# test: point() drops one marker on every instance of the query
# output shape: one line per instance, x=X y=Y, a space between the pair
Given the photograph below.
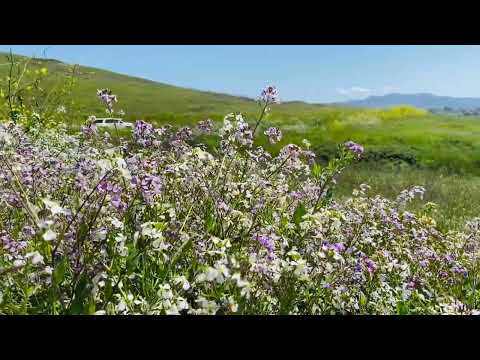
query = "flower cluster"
x=236 y=132
x=158 y=225
x=205 y=126
x=106 y=96
x=89 y=130
x=274 y=135
x=184 y=134
x=143 y=133
x=354 y=148
x=269 y=95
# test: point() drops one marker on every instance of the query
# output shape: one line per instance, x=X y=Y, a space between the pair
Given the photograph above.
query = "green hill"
x=404 y=146
x=150 y=100
x=402 y=134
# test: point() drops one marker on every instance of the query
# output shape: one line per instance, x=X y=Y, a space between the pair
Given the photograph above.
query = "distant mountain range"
x=425 y=101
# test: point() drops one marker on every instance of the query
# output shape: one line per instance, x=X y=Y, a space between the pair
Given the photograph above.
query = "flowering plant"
x=157 y=225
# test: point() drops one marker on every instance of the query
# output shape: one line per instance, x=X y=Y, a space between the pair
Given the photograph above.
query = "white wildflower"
x=49 y=235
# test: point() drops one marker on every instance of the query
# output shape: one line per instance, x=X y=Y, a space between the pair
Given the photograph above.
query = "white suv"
x=110 y=122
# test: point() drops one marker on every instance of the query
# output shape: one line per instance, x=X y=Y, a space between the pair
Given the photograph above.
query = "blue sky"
x=309 y=73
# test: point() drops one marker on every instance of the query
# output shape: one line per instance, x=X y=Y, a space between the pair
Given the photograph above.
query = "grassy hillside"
x=150 y=100
x=404 y=146
x=415 y=138
x=402 y=135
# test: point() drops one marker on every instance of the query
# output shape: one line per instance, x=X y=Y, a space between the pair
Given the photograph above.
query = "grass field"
x=156 y=225
x=404 y=146
x=457 y=196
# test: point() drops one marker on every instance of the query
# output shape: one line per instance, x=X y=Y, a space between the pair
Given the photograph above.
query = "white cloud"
x=354 y=92
x=389 y=89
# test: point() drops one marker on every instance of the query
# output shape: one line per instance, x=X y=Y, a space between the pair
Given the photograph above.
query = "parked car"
x=110 y=122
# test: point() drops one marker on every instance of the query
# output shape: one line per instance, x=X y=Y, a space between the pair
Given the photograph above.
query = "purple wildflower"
x=339 y=247
x=80 y=182
x=143 y=133
x=106 y=96
x=117 y=202
x=184 y=134
x=297 y=195
x=268 y=243
x=223 y=207
x=291 y=151
x=309 y=156
x=270 y=95
x=460 y=270
x=28 y=231
x=89 y=130
x=205 y=126
x=243 y=134
x=423 y=263
x=105 y=186
x=274 y=134
x=13 y=200
x=116 y=189
x=150 y=186
x=371 y=266
x=134 y=181
x=10 y=245
x=411 y=285
x=354 y=148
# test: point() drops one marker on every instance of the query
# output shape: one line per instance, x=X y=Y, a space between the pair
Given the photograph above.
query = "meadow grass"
x=457 y=197
x=154 y=224
x=403 y=146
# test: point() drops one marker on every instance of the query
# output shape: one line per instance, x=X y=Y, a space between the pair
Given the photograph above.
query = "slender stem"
x=220 y=170
x=260 y=118
x=276 y=170
x=54 y=251
x=21 y=76
x=23 y=196
x=90 y=225
x=183 y=246
x=10 y=105
x=262 y=113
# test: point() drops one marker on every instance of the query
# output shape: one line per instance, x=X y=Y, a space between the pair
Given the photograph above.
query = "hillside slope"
x=150 y=100
x=422 y=139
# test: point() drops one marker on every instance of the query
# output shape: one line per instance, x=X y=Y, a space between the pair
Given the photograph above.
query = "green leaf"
x=160 y=226
x=59 y=273
x=81 y=293
x=363 y=300
x=402 y=308
x=83 y=230
x=210 y=222
x=132 y=261
x=108 y=290
x=298 y=214
x=316 y=170
x=90 y=306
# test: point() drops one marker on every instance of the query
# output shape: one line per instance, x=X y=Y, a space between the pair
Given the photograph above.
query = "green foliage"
x=457 y=196
x=400 y=138
x=30 y=97
x=154 y=224
x=404 y=112
x=298 y=214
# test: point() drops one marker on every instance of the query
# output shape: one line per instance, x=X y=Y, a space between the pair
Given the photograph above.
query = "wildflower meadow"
x=154 y=222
